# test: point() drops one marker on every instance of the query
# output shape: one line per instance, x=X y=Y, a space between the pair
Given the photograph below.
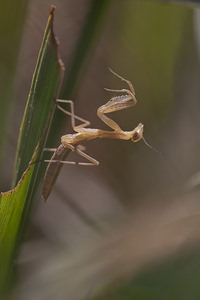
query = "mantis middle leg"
x=73 y=116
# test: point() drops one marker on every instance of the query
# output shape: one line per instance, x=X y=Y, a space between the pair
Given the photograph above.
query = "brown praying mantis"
x=72 y=141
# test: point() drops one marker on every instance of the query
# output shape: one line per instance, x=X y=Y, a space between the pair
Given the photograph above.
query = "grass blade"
x=44 y=89
x=12 y=210
x=15 y=204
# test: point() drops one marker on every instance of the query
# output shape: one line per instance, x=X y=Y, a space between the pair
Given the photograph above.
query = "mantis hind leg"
x=77 y=149
x=73 y=116
x=70 y=162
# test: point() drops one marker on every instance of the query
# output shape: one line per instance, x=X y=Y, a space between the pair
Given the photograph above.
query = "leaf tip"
x=54 y=39
x=52 y=11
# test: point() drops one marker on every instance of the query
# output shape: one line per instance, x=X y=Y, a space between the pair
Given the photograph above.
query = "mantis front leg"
x=117 y=103
x=123 y=79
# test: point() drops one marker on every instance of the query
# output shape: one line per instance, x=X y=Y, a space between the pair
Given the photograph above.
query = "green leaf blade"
x=12 y=206
x=45 y=85
x=15 y=205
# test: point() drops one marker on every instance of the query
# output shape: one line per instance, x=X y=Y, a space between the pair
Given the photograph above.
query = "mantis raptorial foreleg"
x=131 y=95
x=117 y=103
x=73 y=116
x=123 y=79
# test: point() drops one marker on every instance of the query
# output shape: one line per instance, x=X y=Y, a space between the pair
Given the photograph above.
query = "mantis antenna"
x=151 y=146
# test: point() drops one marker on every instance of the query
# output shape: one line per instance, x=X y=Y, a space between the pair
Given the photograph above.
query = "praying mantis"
x=72 y=141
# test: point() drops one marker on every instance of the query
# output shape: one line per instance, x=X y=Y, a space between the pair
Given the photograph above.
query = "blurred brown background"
x=135 y=191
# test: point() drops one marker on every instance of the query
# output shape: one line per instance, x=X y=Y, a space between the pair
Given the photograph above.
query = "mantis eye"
x=136 y=137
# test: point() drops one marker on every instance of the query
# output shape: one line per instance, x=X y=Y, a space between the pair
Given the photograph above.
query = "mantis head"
x=138 y=135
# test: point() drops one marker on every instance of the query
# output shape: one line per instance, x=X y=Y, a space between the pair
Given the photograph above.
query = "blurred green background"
x=128 y=229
